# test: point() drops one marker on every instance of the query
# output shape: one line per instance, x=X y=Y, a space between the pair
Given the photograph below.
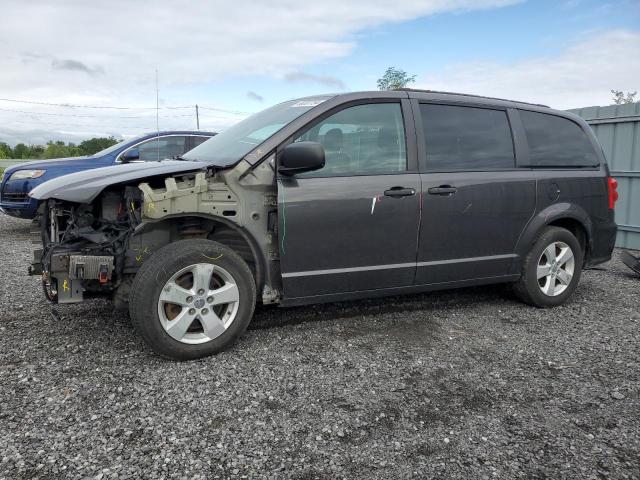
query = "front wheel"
x=192 y=298
x=551 y=271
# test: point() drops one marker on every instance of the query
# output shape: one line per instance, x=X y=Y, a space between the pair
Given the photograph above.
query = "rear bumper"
x=603 y=241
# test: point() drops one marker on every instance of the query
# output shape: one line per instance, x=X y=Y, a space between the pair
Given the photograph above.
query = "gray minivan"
x=331 y=198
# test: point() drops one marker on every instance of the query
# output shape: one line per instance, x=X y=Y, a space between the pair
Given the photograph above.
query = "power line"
x=97 y=125
x=235 y=112
x=102 y=130
x=93 y=116
x=62 y=125
x=70 y=105
x=166 y=107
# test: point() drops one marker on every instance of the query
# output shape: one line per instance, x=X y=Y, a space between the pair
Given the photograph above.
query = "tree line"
x=56 y=149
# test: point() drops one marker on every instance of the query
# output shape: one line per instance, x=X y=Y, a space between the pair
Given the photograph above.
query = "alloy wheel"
x=555 y=270
x=198 y=303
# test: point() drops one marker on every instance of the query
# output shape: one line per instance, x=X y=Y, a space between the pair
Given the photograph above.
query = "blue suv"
x=20 y=179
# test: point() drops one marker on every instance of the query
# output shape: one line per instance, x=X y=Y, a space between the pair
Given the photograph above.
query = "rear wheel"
x=551 y=271
x=192 y=298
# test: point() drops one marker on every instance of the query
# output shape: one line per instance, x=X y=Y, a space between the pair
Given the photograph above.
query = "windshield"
x=234 y=143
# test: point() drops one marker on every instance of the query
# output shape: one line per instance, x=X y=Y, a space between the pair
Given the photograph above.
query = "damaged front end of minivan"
x=99 y=227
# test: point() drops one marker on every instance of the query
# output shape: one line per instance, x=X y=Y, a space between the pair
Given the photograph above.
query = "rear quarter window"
x=556 y=142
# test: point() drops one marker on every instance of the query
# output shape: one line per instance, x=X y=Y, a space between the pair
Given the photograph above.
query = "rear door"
x=353 y=225
x=475 y=202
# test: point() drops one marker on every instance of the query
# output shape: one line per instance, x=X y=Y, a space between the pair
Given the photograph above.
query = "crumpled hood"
x=85 y=186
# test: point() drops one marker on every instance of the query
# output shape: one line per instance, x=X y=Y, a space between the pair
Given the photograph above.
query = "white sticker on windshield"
x=307 y=103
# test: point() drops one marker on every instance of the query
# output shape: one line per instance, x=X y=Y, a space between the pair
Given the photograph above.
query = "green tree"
x=94 y=145
x=20 y=151
x=5 y=150
x=56 y=149
x=394 y=78
x=36 y=151
x=23 y=151
x=60 y=150
x=620 y=97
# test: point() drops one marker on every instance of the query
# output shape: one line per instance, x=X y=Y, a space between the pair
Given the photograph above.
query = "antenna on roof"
x=157 y=116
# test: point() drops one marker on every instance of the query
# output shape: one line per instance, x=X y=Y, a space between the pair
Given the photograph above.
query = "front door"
x=476 y=203
x=352 y=225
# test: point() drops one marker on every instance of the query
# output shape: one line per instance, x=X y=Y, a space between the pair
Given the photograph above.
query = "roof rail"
x=470 y=95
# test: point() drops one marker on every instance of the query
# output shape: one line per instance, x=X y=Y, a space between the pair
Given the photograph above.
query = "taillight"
x=612 y=187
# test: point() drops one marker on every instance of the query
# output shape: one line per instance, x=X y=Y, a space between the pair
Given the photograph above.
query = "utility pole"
x=197 y=117
x=157 y=116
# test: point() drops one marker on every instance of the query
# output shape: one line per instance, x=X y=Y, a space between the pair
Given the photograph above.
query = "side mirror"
x=300 y=157
x=130 y=155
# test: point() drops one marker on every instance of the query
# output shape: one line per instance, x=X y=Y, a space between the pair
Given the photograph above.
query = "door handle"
x=442 y=190
x=397 y=192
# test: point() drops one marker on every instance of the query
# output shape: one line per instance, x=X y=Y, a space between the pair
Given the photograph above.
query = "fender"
x=553 y=213
x=258 y=255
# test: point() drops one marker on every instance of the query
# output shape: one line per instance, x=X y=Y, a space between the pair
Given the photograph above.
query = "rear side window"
x=556 y=141
x=466 y=138
x=198 y=140
x=161 y=148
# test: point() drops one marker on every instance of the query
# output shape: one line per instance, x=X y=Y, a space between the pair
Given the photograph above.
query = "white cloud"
x=190 y=42
x=326 y=80
x=106 y=53
x=581 y=75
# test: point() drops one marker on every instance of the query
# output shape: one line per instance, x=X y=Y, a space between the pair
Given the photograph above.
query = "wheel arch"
x=565 y=215
x=222 y=230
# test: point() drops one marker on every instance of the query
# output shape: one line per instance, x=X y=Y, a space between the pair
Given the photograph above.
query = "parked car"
x=20 y=179
x=333 y=198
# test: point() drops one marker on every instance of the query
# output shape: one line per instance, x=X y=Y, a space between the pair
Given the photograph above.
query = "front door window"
x=361 y=140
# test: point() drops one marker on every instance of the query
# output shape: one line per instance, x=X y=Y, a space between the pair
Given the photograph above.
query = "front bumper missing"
x=65 y=278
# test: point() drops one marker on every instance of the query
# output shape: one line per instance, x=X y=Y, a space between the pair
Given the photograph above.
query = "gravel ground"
x=465 y=384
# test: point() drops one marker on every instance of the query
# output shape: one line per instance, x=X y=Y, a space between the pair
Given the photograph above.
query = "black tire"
x=157 y=270
x=528 y=288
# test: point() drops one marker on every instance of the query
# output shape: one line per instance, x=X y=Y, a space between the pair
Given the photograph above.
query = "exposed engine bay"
x=95 y=249
x=84 y=247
